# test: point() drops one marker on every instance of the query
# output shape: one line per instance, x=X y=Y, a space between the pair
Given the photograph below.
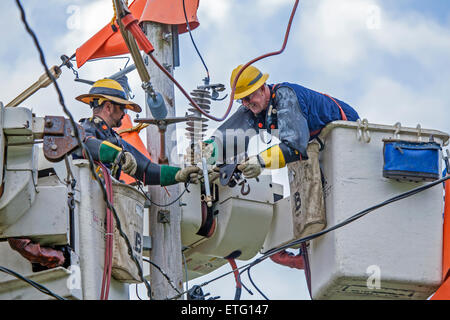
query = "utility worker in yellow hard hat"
x=108 y=101
x=296 y=115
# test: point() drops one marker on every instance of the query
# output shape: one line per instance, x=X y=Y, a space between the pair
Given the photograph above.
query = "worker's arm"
x=109 y=150
x=151 y=173
x=146 y=171
x=293 y=132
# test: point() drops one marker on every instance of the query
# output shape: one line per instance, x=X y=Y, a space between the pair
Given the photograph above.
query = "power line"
x=356 y=216
x=157 y=204
x=254 y=285
x=193 y=42
x=32 y=283
x=163 y=273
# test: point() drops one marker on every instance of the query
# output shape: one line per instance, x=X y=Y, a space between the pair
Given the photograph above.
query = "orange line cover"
x=107 y=42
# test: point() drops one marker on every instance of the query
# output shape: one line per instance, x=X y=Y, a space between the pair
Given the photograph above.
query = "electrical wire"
x=356 y=216
x=237 y=278
x=107 y=268
x=347 y=221
x=233 y=87
x=360 y=215
x=254 y=285
x=137 y=291
x=163 y=273
x=245 y=287
x=34 y=284
x=83 y=146
x=193 y=42
x=161 y=205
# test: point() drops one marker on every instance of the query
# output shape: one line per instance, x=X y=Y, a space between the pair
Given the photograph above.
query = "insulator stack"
x=196 y=129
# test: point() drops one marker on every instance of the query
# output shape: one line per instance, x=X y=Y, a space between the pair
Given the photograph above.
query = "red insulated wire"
x=236 y=272
x=107 y=268
x=110 y=233
x=233 y=89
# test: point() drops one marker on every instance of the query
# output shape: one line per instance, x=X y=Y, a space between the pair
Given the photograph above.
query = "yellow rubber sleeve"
x=273 y=158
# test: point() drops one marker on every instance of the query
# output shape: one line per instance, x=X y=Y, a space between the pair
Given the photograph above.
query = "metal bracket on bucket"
x=363 y=130
x=59 y=138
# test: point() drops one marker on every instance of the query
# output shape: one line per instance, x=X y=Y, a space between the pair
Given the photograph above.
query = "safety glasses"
x=121 y=106
x=247 y=99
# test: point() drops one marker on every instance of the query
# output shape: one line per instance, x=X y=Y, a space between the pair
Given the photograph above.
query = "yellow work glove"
x=252 y=167
x=192 y=173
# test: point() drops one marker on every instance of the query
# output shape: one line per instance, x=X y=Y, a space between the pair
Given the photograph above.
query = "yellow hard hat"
x=108 y=90
x=250 y=80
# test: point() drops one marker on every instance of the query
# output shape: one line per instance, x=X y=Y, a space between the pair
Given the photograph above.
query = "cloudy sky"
x=388 y=59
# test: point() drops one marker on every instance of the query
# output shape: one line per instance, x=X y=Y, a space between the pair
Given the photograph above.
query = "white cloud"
x=332 y=34
x=387 y=102
x=414 y=36
x=214 y=12
x=267 y=8
x=84 y=22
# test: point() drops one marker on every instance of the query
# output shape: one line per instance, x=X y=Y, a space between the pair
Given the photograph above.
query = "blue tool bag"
x=411 y=161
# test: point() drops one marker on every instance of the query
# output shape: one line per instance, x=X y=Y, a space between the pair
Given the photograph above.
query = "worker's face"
x=116 y=114
x=256 y=101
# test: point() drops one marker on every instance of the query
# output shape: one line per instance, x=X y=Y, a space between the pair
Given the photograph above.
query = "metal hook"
x=243 y=191
x=363 y=130
x=366 y=133
x=419 y=133
x=397 y=126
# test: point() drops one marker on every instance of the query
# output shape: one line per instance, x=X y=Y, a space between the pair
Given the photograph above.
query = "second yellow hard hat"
x=249 y=81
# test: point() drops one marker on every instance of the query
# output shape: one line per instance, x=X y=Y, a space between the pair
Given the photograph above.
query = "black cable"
x=254 y=285
x=163 y=273
x=245 y=287
x=137 y=292
x=161 y=205
x=243 y=284
x=193 y=42
x=237 y=293
x=339 y=225
x=34 y=284
x=350 y=219
x=83 y=147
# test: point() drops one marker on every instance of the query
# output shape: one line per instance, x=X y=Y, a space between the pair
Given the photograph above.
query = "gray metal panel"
x=47 y=221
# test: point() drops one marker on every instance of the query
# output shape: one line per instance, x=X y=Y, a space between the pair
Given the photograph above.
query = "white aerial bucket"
x=394 y=252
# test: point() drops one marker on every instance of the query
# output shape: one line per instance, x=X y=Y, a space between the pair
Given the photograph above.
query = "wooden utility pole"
x=164 y=222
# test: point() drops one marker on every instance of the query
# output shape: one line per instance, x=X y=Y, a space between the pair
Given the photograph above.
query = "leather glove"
x=34 y=253
x=252 y=167
x=129 y=164
x=213 y=174
x=288 y=259
x=192 y=174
